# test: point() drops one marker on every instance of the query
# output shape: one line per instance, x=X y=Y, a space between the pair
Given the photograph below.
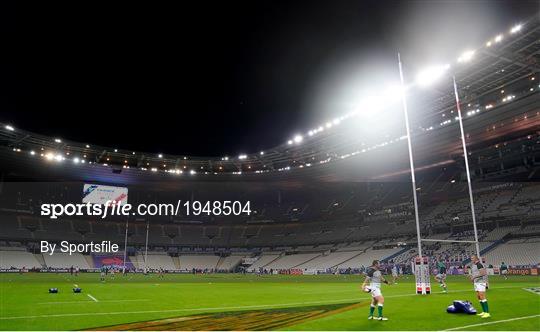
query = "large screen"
x=99 y=194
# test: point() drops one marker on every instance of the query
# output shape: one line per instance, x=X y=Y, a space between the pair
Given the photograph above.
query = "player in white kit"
x=479 y=278
x=374 y=278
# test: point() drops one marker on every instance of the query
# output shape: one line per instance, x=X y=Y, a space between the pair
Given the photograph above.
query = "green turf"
x=26 y=305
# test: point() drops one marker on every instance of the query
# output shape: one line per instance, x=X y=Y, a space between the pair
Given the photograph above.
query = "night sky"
x=219 y=78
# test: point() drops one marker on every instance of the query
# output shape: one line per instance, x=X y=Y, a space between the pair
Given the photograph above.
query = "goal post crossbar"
x=456 y=241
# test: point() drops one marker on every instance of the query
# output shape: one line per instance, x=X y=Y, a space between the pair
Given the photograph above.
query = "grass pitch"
x=231 y=301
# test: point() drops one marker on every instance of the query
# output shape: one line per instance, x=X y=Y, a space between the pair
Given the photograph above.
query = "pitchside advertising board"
x=99 y=194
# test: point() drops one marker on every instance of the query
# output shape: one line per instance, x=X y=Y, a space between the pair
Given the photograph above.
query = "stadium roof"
x=509 y=58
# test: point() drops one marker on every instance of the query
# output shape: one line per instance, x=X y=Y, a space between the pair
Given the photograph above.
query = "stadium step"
x=89 y=260
x=40 y=259
x=404 y=250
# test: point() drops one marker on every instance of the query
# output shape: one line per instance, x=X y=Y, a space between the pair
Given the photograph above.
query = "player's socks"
x=485 y=306
x=379 y=309
x=371 y=310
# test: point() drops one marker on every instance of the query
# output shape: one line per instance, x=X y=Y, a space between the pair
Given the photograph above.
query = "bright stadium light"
x=242 y=156
x=57 y=140
x=10 y=128
x=431 y=74
x=394 y=92
x=488 y=44
x=515 y=28
x=298 y=139
x=289 y=142
x=499 y=38
x=87 y=146
x=76 y=160
x=466 y=56
x=32 y=152
x=160 y=155
x=192 y=172
x=261 y=153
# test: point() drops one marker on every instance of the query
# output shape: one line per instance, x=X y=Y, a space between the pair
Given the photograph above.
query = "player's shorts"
x=394 y=274
x=440 y=277
x=375 y=291
x=504 y=271
x=102 y=274
x=480 y=286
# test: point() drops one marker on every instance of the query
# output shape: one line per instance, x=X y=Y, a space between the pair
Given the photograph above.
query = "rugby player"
x=479 y=278
x=374 y=278
x=394 y=274
x=441 y=276
x=504 y=271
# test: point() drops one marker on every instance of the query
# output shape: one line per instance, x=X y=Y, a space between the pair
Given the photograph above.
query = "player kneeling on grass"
x=479 y=278
x=374 y=278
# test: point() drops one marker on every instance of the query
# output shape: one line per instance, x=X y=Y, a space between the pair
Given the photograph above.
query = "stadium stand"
x=18 y=258
x=64 y=260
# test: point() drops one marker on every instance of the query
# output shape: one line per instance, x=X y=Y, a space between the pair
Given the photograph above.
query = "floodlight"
x=431 y=74
x=87 y=146
x=466 y=56
x=242 y=156
x=261 y=153
x=160 y=155
x=289 y=142
x=192 y=172
x=298 y=138
x=76 y=160
x=499 y=38
x=32 y=152
x=515 y=28
x=10 y=128
x=57 y=140
x=488 y=44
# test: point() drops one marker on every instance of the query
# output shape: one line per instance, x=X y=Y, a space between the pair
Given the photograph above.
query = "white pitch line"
x=531 y=291
x=101 y=301
x=93 y=298
x=491 y=323
x=262 y=306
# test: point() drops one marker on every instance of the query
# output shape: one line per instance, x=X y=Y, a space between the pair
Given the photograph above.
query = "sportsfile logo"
x=53 y=211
